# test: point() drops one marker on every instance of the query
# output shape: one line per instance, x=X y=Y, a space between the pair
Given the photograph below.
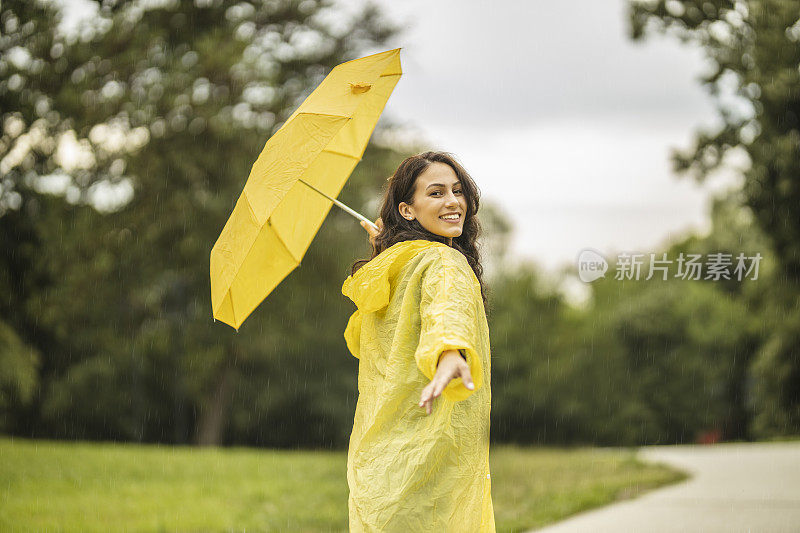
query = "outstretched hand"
x=451 y=365
x=372 y=232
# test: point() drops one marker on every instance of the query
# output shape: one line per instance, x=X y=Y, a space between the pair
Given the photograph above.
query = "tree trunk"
x=214 y=416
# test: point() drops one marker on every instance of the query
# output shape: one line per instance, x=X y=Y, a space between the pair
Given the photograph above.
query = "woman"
x=416 y=463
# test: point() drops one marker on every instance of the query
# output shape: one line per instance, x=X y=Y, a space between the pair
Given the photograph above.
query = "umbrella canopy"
x=294 y=183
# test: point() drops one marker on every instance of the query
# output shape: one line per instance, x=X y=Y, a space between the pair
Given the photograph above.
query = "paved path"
x=735 y=487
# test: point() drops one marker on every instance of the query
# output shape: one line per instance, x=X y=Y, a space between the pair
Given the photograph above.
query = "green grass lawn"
x=57 y=486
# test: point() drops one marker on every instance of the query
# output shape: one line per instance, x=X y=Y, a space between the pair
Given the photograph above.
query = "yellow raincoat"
x=409 y=471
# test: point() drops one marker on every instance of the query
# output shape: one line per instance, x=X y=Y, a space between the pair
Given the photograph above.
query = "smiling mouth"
x=451 y=218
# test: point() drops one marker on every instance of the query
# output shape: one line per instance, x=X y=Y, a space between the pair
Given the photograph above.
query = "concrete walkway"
x=735 y=487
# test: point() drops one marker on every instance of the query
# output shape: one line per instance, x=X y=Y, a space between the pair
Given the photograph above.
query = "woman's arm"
x=372 y=233
x=451 y=364
x=449 y=321
x=456 y=352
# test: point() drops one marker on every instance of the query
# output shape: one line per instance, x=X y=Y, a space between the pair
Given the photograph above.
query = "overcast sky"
x=560 y=118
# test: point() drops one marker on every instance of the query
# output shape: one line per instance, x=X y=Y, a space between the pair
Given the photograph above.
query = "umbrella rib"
x=277 y=235
x=233 y=309
x=341 y=154
x=268 y=223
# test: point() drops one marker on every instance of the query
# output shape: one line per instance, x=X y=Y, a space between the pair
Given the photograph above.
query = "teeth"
x=450 y=217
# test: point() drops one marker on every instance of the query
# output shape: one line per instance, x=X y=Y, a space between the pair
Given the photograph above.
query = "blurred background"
x=129 y=129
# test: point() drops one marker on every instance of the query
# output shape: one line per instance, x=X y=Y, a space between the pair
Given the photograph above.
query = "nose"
x=451 y=200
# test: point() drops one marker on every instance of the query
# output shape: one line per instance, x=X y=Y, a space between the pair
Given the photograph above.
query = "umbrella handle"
x=347 y=209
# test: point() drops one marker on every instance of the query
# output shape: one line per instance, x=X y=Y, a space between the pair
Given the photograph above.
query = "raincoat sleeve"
x=450 y=303
x=352 y=334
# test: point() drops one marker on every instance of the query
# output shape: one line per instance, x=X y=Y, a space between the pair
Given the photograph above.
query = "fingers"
x=370 y=229
x=466 y=378
x=431 y=391
x=437 y=385
x=425 y=400
x=372 y=233
x=426 y=404
x=438 y=388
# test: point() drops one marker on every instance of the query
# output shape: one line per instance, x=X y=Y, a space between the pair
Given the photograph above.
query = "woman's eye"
x=439 y=192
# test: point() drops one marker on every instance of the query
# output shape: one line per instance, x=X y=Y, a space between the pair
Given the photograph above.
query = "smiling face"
x=438 y=202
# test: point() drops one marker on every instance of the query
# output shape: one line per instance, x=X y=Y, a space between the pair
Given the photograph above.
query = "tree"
x=754 y=49
x=170 y=104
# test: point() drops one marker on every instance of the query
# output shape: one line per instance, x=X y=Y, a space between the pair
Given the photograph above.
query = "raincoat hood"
x=370 y=286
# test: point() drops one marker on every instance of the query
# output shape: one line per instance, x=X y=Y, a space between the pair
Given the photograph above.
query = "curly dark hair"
x=400 y=188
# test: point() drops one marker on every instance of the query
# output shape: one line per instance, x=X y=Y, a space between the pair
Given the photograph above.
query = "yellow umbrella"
x=294 y=183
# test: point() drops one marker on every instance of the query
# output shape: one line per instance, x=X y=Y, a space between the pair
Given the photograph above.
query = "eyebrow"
x=440 y=185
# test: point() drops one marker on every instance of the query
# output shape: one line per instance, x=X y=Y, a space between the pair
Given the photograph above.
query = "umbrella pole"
x=340 y=204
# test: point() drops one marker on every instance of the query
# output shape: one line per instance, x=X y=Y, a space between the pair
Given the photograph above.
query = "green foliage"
x=646 y=361
x=679 y=344
x=105 y=319
x=532 y=398
x=117 y=299
x=753 y=48
x=18 y=372
x=776 y=381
